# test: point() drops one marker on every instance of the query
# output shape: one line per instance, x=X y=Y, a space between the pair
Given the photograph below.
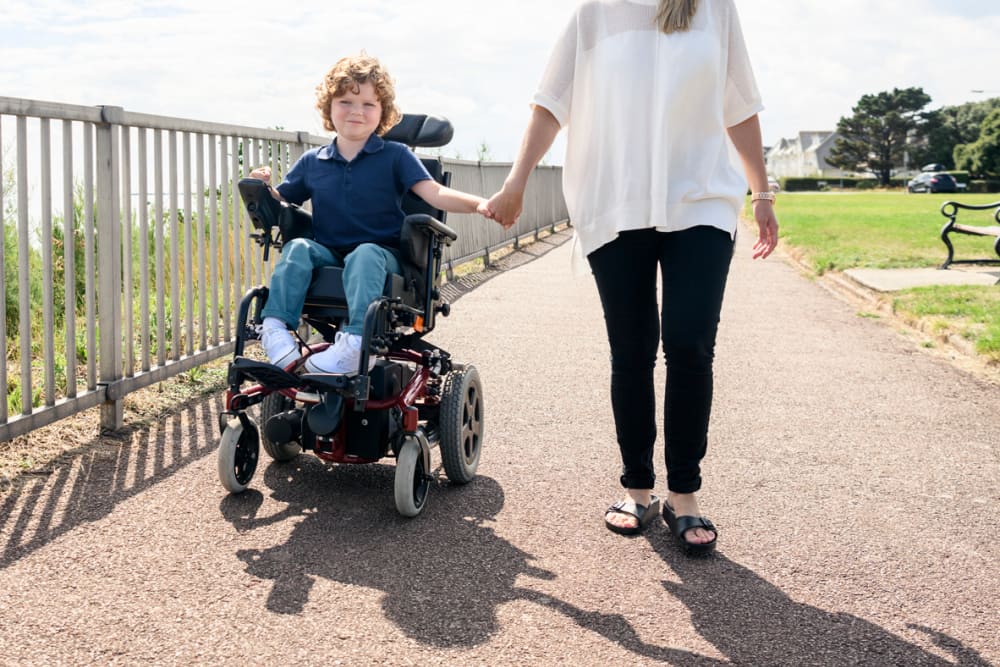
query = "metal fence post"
x=109 y=261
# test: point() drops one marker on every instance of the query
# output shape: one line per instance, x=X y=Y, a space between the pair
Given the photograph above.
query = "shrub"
x=991 y=185
x=959 y=176
x=800 y=184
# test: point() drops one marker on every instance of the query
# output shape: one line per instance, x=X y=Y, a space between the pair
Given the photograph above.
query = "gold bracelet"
x=765 y=196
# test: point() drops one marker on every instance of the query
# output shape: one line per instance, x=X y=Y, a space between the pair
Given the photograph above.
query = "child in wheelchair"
x=363 y=271
x=356 y=185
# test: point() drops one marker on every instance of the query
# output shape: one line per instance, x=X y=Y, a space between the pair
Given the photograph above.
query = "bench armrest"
x=950 y=208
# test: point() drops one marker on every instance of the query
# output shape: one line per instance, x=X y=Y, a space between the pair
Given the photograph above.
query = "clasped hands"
x=504 y=207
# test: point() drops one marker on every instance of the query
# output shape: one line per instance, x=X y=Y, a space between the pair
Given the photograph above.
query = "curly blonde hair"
x=349 y=74
x=675 y=15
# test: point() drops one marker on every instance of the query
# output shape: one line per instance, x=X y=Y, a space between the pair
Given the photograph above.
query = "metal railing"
x=126 y=250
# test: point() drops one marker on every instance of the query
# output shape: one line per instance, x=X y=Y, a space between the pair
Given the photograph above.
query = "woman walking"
x=654 y=94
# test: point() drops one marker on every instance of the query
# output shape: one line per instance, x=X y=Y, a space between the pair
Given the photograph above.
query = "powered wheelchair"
x=414 y=398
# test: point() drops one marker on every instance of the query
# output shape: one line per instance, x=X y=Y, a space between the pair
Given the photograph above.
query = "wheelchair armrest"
x=261 y=206
x=266 y=212
x=431 y=226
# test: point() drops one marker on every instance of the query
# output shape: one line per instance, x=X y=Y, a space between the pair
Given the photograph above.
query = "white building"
x=803 y=156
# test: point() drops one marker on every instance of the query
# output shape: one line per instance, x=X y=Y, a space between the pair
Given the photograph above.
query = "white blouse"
x=647 y=114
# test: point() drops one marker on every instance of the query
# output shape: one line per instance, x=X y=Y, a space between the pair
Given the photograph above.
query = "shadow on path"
x=751 y=621
x=443 y=575
x=90 y=481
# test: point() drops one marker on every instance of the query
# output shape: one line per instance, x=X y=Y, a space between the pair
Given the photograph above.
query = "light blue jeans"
x=365 y=270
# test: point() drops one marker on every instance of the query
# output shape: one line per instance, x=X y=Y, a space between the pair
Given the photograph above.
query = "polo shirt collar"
x=374 y=144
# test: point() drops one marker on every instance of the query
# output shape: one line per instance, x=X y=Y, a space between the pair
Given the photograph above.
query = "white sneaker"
x=279 y=344
x=342 y=358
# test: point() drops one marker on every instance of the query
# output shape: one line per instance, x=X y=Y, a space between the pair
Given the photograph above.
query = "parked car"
x=933 y=182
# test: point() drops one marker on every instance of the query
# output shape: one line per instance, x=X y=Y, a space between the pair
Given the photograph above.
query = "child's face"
x=355 y=115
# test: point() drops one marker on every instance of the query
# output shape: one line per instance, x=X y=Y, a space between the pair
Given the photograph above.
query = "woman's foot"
x=626 y=521
x=686 y=505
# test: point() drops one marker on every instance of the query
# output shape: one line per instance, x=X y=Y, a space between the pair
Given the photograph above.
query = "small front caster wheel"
x=412 y=480
x=238 y=453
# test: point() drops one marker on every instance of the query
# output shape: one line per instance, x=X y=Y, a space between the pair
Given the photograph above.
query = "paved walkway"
x=855 y=480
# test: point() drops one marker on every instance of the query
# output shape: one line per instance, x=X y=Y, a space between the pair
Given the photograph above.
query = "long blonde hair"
x=675 y=15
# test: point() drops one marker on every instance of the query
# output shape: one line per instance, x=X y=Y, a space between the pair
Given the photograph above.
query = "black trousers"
x=694 y=265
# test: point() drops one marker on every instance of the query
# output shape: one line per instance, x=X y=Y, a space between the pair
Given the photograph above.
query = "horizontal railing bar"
x=135 y=119
x=15 y=106
x=37 y=108
x=63 y=408
x=118 y=390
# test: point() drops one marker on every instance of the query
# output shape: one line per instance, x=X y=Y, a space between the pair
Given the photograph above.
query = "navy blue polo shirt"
x=358 y=201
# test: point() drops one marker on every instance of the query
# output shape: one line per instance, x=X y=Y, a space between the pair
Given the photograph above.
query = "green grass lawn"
x=838 y=231
x=879 y=230
x=971 y=311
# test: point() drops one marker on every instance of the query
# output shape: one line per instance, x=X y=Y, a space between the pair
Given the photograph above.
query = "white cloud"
x=257 y=63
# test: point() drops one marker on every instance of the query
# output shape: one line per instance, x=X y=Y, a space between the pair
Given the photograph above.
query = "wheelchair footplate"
x=269 y=375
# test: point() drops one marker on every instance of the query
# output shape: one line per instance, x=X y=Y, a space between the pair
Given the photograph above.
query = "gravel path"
x=854 y=478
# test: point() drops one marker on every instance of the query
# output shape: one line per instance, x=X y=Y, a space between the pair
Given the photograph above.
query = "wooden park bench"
x=950 y=210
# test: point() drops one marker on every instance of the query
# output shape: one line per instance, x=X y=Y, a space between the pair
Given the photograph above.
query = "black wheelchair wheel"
x=238 y=454
x=461 y=424
x=272 y=405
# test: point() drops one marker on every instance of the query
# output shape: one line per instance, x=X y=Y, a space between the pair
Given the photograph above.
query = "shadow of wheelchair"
x=443 y=576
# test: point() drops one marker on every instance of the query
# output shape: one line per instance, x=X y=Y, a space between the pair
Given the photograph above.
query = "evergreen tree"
x=874 y=139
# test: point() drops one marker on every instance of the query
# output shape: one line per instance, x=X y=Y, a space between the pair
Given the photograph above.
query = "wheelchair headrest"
x=421 y=131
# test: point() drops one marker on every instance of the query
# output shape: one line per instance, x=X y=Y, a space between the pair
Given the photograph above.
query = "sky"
x=477 y=63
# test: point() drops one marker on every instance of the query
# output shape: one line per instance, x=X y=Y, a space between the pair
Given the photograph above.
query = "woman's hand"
x=505 y=207
x=767 y=228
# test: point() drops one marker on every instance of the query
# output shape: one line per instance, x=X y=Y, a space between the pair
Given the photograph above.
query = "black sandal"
x=643 y=515
x=679 y=525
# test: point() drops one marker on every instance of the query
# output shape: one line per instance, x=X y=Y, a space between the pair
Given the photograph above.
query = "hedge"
x=813 y=183
x=990 y=185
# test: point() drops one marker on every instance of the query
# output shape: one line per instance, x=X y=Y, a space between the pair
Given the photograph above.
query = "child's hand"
x=262 y=173
x=483 y=209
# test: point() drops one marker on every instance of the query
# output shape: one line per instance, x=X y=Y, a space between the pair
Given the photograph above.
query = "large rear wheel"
x=461 y=424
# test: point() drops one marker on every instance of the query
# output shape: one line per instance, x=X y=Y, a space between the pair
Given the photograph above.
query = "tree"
x=483 y=153
x=875 y=138
x=982 y=157
x=948 y=127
